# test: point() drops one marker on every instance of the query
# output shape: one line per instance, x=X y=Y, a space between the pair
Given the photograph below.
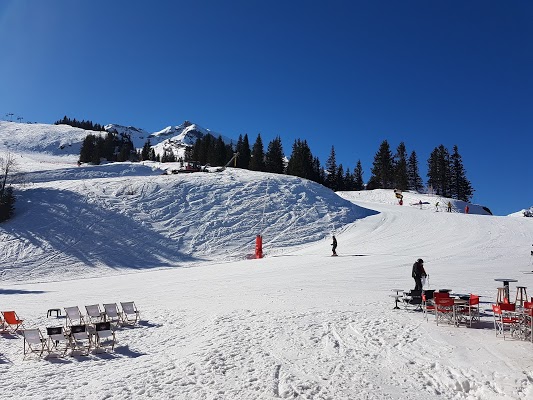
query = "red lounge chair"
x=11 y=321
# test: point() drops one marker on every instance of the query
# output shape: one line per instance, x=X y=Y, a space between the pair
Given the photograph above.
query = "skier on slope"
x=334 y=246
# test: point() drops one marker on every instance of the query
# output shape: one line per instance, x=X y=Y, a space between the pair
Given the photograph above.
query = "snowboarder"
x=449 y=206
x=437 y=206
x=418 y=273
x=334 y=246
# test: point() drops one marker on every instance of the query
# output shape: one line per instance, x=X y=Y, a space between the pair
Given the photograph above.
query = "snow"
x=522 y=213
x=217 y=324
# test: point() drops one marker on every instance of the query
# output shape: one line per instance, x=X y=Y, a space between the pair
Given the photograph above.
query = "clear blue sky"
x=342 y=73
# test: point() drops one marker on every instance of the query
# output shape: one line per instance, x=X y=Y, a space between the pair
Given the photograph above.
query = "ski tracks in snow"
x=308 y=355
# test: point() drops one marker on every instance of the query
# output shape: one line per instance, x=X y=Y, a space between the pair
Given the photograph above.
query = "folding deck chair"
x=12 y=322
x=130 y=313
x=80 y=339
x=57 y=339
x=74 y=316
x=112 y=314
x=413 y=299
x=94 y=314
x=444 y=310
x=105 y=336
x=34 y=342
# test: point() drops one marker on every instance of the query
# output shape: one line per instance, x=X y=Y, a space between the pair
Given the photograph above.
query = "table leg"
x=506 y=287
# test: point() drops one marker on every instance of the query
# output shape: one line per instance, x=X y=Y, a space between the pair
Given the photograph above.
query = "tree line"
x=87 y=125
x=112 y=147
x=446 y=173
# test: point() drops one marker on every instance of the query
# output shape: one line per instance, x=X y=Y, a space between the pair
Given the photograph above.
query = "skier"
x=449 y=206
x=334 y=246
x=467 y=209
x=418 y=273
x=437 y=206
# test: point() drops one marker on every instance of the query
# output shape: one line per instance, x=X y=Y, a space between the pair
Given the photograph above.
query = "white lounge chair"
x=57 y=340
x=105 y=336
x=94 y=314
x=74 y=316
x=130 y=313
x=34 y=342
x=80 y=339
x=112 y=314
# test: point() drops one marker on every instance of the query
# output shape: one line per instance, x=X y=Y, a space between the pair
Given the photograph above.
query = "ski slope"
x=217 y=324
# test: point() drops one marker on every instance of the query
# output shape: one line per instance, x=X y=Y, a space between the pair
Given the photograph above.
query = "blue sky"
x=342 y=73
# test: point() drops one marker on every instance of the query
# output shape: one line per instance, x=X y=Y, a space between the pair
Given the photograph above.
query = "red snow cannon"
x=258 y=246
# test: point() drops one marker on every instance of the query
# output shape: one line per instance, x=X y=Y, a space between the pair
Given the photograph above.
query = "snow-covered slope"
x=415 y=200
x=66 y=140
x=55 y=140
x=527 y=212
x=217 y=325
x=81 y=221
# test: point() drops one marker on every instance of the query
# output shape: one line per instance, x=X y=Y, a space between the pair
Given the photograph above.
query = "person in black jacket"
x=418 y=273
x=334 y=246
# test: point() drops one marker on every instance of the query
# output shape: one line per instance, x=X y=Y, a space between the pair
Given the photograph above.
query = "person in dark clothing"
x=418 y=273
x=334 y=246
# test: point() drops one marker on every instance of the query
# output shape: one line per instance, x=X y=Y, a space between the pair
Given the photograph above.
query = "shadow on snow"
x=95 y=236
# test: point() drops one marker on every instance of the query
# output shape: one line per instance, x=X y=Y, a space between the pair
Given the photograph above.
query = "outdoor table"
x=462 y=296
x=506 y=285
x=396 y=297
x=457 y=304
x=53 y=310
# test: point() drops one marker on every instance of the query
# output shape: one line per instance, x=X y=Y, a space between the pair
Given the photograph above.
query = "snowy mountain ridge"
x=181 y=135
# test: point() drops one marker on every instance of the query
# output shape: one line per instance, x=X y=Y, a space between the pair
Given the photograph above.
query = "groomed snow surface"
x=217 y=324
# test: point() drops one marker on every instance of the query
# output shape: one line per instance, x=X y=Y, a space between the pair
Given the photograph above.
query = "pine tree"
x=332 y=171
x=221 y=154
x=382 y=169
x=439 y=172
x=339 y=179
x=318 y=174
x=274 y=157
x=243 y=148
x=414 y=181
x=301 y=161
x=359 y=183
x=189 y=153
x=87 y=149
x=145 y=153
x=401 y=180
x=109 y=146
x=257 y=161
x=460 y=186
x=349 y=182
x=7 y=203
